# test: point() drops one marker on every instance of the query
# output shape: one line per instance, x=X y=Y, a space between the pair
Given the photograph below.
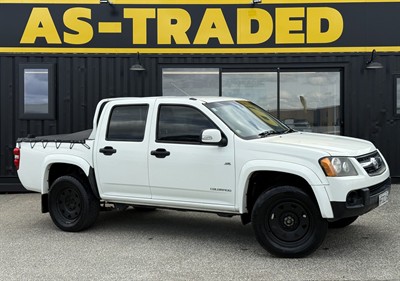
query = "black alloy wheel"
x=69 y=203
x=72 y=206
x=288 y=223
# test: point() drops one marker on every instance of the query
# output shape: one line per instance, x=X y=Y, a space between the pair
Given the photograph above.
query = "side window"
x=184 y=124
x=127 y=123
x=397 y=98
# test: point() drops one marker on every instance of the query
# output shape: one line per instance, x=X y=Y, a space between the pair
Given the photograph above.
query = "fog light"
x=354 y=198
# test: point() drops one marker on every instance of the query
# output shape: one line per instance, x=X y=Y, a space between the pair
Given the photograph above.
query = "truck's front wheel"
x=72 y=206
x=287 y=222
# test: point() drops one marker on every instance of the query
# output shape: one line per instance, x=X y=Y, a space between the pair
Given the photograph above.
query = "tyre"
x=287 y=222
x=72 y=206
x=342 y=222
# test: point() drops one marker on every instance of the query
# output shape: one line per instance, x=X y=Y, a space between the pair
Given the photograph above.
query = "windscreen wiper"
x=268 y=133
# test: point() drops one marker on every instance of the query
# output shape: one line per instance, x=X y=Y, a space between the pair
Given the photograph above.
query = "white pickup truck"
x=220 y=155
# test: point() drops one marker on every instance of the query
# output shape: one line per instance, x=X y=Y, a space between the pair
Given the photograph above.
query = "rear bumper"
x=361 y=201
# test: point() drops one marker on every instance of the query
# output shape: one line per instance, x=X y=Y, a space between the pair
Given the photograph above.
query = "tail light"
x=17 y=157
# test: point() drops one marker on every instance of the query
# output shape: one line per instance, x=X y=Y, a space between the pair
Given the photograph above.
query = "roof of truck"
x=205 y=99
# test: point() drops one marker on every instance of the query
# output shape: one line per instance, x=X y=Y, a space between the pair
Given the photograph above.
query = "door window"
x=127 y=123
x=182 y=124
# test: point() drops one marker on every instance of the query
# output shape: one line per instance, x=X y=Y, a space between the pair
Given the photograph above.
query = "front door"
x=181 y=167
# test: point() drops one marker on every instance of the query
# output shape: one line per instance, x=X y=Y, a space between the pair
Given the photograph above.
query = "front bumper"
x=361 y=201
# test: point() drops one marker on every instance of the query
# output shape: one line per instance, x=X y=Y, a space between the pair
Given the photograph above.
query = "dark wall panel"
x=81 y=81
x=8 y=113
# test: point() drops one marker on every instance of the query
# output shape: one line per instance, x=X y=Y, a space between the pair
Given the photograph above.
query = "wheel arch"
x=60 y=165
x=257 y=177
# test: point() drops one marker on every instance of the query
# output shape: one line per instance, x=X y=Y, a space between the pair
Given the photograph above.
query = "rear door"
x=121 y=151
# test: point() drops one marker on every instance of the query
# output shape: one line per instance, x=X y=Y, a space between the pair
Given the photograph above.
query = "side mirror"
x=211 y=136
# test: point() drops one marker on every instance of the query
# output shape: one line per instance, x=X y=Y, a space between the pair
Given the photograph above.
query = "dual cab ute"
x=220 y=155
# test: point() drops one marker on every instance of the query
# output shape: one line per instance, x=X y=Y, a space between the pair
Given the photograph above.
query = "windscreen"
x=246 y=119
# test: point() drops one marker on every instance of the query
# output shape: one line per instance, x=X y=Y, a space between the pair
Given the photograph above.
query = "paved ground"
x=170 y=245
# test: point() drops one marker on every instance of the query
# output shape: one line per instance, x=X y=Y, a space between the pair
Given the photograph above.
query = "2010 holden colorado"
x=220 y=155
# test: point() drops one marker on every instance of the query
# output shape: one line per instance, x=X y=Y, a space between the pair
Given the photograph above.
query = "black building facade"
x=310 y=63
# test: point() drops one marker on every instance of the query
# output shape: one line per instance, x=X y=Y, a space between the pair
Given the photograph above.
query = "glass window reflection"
x=36 y=91
x=258 y=87
x=190 y=81
x=304 y=100
x=398 y=94
x=310 y=101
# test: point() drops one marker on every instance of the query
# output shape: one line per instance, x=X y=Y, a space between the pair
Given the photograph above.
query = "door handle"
x=108 y=150
x=160 y=153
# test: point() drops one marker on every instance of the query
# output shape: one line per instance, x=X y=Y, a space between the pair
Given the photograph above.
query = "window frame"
x=51 y=114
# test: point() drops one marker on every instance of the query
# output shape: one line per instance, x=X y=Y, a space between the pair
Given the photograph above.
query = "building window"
x=36 y=91
x=397 y=82
x=304 y=100
x=127 y=123
x=310 y=101
x=258 y=87
x=190 y=81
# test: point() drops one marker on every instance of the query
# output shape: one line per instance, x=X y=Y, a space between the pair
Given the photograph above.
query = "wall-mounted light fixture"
x=137 y=66
x=372 y=63
x=254 y=2
x=114 y=10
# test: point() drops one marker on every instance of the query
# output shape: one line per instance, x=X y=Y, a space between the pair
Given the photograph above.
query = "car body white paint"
x=197 y=177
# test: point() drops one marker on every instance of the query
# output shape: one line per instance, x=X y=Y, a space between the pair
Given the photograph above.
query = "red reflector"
x=17 y=157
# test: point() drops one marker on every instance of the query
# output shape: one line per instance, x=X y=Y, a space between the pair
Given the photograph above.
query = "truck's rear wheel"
x=72 y=206
x=287 y=222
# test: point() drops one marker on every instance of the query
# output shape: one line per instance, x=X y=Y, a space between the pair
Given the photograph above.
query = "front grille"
x=372 y=163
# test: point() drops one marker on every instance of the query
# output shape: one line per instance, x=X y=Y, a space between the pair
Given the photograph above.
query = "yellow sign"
x=173 y=24
x=229 y=28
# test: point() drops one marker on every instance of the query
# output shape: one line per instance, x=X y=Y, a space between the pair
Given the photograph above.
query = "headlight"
x=337 y=167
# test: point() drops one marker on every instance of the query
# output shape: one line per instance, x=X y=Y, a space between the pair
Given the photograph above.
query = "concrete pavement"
x=171 y=245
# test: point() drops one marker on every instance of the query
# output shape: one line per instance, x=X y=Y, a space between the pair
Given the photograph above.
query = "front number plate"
x=383 y=198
